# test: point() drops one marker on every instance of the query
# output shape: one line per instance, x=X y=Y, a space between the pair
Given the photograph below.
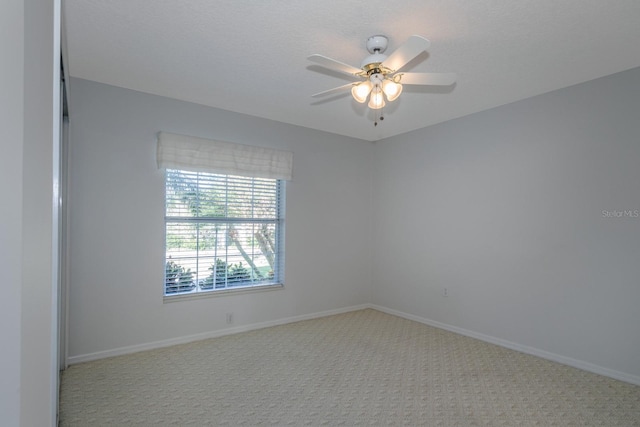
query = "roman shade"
x=205 y=155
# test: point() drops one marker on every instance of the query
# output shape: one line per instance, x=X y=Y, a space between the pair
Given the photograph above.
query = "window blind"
x=205 y=155
x=222 y=232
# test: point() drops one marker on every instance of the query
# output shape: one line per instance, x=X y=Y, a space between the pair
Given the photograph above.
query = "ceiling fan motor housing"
x=375 y=45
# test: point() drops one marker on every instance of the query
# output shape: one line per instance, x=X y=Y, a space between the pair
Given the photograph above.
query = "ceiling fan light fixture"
x=377 y=99
x=391 y=89
x=381 y=73
x=361 y=91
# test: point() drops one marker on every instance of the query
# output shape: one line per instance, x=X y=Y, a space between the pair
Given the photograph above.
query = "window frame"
x=253 y=286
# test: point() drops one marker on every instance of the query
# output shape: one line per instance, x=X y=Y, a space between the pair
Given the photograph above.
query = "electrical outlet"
x=445 y=292
x=229 y=318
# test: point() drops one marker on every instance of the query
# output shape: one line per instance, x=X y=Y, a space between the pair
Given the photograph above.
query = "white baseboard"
x=580 y=364
x=206 y=335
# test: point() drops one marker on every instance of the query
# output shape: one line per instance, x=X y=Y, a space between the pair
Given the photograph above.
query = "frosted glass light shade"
x=377 y=99
x=391 y=89
x=361 y=91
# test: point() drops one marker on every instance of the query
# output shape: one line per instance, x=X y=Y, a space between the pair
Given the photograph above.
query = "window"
x=224 y=214
x=222 y=231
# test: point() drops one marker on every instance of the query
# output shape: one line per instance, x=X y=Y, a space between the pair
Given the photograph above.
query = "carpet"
x=353 y=369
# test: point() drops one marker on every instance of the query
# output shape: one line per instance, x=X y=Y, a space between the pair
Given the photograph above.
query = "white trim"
x=580 y=364
x=206 y=335
x=58 y=119
x=221 y=292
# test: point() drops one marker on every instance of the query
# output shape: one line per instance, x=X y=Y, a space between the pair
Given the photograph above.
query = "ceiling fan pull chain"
x=375 y=123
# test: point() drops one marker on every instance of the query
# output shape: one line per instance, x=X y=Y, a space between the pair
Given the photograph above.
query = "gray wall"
x=504 y=208
x=39 y=319
x=29 y=107
x=12 y=125
x=116 y=205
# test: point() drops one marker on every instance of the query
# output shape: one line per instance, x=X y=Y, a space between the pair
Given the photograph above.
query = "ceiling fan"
x=380 y=75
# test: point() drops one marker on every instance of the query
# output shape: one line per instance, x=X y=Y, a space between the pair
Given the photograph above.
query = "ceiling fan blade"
x=405 y=53
x=334 y=65
x=334 y=90
x=431 y=79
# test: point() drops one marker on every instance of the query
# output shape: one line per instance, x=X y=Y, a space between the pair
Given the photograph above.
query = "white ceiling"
x=250 y=56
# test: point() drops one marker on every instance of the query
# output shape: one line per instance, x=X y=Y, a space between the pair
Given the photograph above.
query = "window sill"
x=222 y=292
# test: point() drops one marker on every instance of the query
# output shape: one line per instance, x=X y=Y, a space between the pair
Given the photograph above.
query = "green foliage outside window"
x=223 y=275
x=177 y=279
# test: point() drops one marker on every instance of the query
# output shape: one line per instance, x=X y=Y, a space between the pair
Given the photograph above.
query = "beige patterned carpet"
x=358 y=368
